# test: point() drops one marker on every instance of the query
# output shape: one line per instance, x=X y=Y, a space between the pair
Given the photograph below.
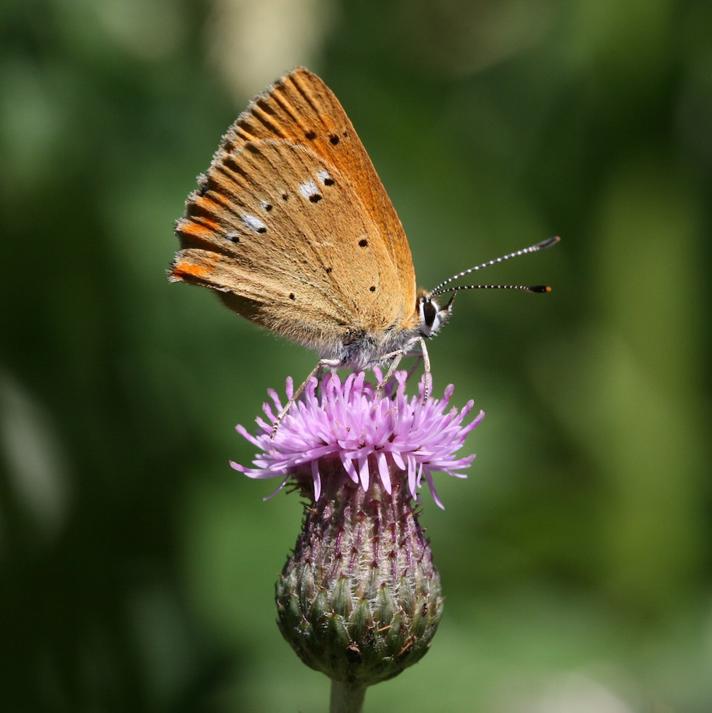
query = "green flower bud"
x=359 y=599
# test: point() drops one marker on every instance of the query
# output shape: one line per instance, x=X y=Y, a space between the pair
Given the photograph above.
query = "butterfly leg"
x=428 y=385
x=396 y=357
x=396 y=360
x=317 y=372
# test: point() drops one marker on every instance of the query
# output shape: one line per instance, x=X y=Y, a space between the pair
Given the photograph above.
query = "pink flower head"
x=369 y=434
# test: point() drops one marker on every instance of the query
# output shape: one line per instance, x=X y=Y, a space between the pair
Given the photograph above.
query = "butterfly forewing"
x=291 y=214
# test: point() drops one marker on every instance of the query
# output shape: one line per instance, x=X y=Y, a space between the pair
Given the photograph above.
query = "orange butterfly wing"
x=299 y=120
x=302 y=109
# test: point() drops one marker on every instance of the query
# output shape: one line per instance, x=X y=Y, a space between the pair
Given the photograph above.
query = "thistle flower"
x=359 y=598
x=349 y=423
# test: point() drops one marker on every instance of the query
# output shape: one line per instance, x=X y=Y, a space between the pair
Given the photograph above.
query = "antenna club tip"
x=548 y=243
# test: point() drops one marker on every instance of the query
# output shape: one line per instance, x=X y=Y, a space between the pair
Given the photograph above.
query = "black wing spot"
x=334 y=139
x=345 y=134
x=311 y=135
x=285 y=196
x=232 y=237
x=328 y=270
x=315 y=197
x=328 y=181
x=268 y=207
x=292 y=296
x=372 y=288
x=262 y=230
x=362 y=243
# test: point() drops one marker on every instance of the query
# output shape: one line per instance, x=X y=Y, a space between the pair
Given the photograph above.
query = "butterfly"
x=293 y=229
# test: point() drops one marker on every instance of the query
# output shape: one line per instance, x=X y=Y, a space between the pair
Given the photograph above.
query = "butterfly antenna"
x=524 y=288
x=543 y=245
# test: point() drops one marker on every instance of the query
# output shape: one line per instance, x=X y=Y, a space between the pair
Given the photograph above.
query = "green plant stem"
x=346 y=697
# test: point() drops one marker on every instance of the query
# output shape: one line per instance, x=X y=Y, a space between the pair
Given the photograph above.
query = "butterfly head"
x=431 y=315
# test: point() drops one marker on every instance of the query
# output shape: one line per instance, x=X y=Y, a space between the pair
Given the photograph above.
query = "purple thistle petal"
x=246 y=435
x=398 y=459
x=275 y=399
x=363 y=472
x=383 y=472
x=411 y=476
x=349 y=468
x=433 y=492
x=462 y=476
x=264 y=425
x=267 y=410
x=347 y=423
x=473 y=424
x=317 y=479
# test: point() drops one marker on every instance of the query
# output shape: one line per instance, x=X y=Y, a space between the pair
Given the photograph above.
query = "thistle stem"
x=346 y=697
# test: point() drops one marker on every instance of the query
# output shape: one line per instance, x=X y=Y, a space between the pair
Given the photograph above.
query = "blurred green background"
x=138 y=570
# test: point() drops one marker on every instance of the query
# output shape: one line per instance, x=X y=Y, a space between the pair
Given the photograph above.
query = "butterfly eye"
x=430 y=311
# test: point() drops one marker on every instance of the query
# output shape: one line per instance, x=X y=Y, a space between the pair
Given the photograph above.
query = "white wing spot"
x=325 y=177
x=308 y=189
x=255 y=223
